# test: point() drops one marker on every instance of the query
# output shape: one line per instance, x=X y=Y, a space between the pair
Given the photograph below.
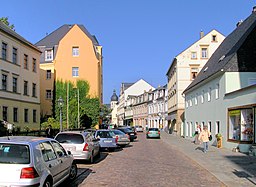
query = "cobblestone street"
x=147 y=162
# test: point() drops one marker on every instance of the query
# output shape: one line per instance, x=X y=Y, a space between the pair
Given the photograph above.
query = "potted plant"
x=219 y=140
x=218 y=136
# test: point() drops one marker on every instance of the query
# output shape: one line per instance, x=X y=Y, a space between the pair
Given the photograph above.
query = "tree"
x=87 y=107
x=6 y=22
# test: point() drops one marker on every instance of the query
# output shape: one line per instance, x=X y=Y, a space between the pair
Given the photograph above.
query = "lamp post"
x=60 y=103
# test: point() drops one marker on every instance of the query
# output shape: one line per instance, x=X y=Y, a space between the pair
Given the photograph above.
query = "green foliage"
x=88 y=107
x=6 y=22
x=106 y=113
x=51 y=121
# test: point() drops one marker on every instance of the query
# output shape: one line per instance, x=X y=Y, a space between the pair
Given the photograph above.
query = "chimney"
x=239 y=23
x=254 y=9
x=201 y=34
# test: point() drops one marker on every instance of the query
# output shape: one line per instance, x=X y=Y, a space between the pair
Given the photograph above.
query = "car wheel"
x=47 y=183
x=73 y=172
x=92 y=158
x=98 y=155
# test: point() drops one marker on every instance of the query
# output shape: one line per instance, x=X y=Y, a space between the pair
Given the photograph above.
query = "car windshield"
x=105 y=134
x=118 y=132
x=14 y=153
x=126 y=130
x=70 y=138
x=153 y=129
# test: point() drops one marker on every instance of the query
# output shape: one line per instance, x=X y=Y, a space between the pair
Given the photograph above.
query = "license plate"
x=107 y=141
x=131 y=134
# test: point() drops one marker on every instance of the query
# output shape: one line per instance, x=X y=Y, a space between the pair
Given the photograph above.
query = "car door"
x=52 y=163
x=65 y=161
x=94 y=143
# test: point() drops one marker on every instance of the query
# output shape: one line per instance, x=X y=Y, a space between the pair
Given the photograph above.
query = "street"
x=146 y=162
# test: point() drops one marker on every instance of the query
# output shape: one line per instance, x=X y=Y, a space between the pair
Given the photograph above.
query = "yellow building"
x=20 y=80
x=69 y=53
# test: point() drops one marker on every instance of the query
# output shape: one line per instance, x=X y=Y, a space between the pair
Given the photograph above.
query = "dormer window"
x=214 y=38
x=49 y=55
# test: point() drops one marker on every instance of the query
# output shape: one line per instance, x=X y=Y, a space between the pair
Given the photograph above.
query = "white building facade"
x=183 y=71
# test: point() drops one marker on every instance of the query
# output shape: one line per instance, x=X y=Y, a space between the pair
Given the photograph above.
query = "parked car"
x=106 y=139
x=122 y=138
x=139 y=128
x=34 y=161
x=153 y=133
x=127 y=130
x=83 y=145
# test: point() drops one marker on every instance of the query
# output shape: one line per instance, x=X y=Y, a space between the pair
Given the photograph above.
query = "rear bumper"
x=82 y=156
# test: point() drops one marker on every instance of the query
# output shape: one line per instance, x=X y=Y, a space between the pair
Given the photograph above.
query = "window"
x=25 y=87
x=48 y=74
x=48 y=55
x=34 y=65
x=186 y=104
x=15 y=114
x=75 y=72
x=48 y=94
x=59 y=149
x=14 y=56
x=34 y=116
x=14 y=84
x=25 y=61
x=210 y=126
x=33 y=90
x=217 y=91
x=47 y=151
x=5 y=113
x=4 y=82
x=209 y=94
x=26 y=115
x=75 y=51
x=217 y=127
x=196 y=99
x=214 y=38
x=194 y=71
x=204 y=53
x=241 y=124
x=202 y=97
x=4 y=51
x=193 y=55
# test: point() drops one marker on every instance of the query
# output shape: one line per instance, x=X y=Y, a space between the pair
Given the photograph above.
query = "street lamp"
x=60 y=103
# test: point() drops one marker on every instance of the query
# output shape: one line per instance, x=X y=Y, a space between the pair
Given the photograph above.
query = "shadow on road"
x=248 y=165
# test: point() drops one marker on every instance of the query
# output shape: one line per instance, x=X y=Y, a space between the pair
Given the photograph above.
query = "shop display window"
x=241 y=125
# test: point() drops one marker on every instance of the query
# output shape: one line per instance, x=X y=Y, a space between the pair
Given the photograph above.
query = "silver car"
x=34 y=161
x=83 y=145
x=122 y=138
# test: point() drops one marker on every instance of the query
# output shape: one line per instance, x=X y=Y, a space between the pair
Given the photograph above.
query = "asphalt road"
x=145 y=163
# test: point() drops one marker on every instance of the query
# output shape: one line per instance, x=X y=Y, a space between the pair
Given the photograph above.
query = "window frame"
x=14 y=84
x=75 y=51
x=14 y=55
x=75 y=71
x=4 y=82
x=4 y=50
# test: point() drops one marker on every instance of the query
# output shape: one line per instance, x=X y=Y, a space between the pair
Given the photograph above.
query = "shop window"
x=241 y=125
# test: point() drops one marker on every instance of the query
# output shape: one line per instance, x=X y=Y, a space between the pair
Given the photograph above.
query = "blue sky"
x=139 y=37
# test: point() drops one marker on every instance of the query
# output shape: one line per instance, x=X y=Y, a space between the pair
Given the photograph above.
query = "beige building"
x=183 y=70
x=20 y=80
x=70 y=53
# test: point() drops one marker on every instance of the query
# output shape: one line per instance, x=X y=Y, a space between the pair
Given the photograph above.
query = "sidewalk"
x=231 y=168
